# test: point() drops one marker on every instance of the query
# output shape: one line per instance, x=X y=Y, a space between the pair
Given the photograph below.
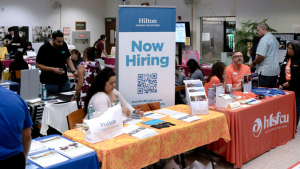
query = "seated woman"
x=103 y=95
x=17 y=64
x=290 y=73
x=76 y=58
x=217 y=75
x=179 y=78
x=195 y=70
x=87 y=71
x=27 y=48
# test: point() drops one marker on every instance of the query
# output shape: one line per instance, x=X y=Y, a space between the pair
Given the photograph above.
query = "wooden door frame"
x=107 y=32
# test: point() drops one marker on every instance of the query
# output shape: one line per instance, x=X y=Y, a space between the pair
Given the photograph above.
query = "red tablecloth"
x=258 y=128
x=206 y=71
x=28 y=60
x=109 y=63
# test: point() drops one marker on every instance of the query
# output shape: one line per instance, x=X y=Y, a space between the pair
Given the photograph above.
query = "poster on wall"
x=40 y=33
x=146 y=55
x=21 y=31
x=190 y=54
x=283 y=39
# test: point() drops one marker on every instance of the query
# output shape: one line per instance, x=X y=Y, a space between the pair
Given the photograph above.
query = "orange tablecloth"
x=258 y=128
x=128 y=152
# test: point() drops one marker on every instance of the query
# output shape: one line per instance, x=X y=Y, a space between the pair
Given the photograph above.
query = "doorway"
x=110 y=33
x=216 y=38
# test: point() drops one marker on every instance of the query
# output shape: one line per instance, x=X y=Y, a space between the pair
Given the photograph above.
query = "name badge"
x=63 y=52
x=235 y=73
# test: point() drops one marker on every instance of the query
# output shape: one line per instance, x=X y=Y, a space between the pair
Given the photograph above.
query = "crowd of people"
x=96 y=87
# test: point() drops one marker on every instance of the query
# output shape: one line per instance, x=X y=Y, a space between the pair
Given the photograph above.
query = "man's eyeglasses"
x=55 y=32
x=236 y=56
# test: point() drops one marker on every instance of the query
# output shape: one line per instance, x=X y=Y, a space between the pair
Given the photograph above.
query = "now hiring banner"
x=146 y=58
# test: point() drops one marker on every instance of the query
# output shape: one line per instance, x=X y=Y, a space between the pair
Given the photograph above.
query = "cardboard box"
x=223 y=100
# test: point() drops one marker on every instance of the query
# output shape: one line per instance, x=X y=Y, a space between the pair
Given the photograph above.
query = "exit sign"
x=81 y=35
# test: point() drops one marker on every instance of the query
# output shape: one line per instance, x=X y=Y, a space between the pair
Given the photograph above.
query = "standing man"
x=14 y=42
x=100 y=47
x=51 y=60
x=267 y=60
x=236 y=71
x=15 y=132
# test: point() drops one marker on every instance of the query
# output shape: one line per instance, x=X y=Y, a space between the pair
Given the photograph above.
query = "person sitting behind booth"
x=15 y=132
x=217 y=75
x=100 y=47
x=236 y=71
x=28 y=47
x=195 y=70
x=179 y=78
x=103 y=95
x=290 y=73
x=17 y=64
x=87 y=71
x=76 y=58
x=51 y=59
x=14 y=40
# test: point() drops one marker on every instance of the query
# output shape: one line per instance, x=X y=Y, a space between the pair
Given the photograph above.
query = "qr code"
x=147 y=83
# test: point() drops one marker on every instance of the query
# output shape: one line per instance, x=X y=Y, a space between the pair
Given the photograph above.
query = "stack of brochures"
x=47 y=152
x=139 y=132
x=36 y=148
x=74 y=150
x=185 y=117
x=47 y=158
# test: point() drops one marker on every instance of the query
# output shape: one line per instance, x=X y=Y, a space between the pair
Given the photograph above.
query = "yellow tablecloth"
x=6 y=75
x=3 y=51
x=128 y=152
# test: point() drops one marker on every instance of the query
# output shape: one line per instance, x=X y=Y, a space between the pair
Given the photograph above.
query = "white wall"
x=39 y=13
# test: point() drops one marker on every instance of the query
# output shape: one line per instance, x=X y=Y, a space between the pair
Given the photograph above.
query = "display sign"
x=146 y=54
x=81 y=35
x=66 y=30
x=80 y=25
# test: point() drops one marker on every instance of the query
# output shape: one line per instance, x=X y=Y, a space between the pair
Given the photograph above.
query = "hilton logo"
x=146 y=20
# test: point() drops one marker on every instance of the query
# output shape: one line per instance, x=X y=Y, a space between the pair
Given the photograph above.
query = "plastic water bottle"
x=200 y=62
x=90 y=112
x=44 y=92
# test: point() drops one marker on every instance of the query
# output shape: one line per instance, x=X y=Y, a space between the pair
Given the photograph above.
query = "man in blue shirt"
x=15 y=132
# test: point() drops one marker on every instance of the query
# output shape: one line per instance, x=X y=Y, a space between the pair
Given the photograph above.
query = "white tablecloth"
x=55 y=115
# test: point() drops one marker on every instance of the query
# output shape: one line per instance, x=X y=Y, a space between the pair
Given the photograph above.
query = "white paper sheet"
x=185 y=117
x=48 y=158
x=131 y=121
x=167 y=112
x=68 y=93
x=5 y=83
x=55 y=142
x=153 y=115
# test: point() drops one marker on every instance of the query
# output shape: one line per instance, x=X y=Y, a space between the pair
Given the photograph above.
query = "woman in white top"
x=103 y=95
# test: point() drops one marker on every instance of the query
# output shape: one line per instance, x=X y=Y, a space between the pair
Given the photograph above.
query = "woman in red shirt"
x=217 y=75
x=290 y=73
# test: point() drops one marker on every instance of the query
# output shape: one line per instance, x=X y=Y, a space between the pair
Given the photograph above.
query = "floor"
x=281 y=157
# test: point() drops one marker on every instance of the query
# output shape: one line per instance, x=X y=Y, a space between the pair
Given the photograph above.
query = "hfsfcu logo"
x=137 y=60
x=109 y=123
x=270 y=122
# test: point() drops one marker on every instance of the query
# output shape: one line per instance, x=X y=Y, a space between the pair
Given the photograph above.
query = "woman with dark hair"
x=87 y=71
x=290 y=73
x=195 y=70
x=217 y=75
x=103 y=95
x=76 y=58
x=17 y=64
x=178 y=76
x=95 y=44
x=28 y=47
